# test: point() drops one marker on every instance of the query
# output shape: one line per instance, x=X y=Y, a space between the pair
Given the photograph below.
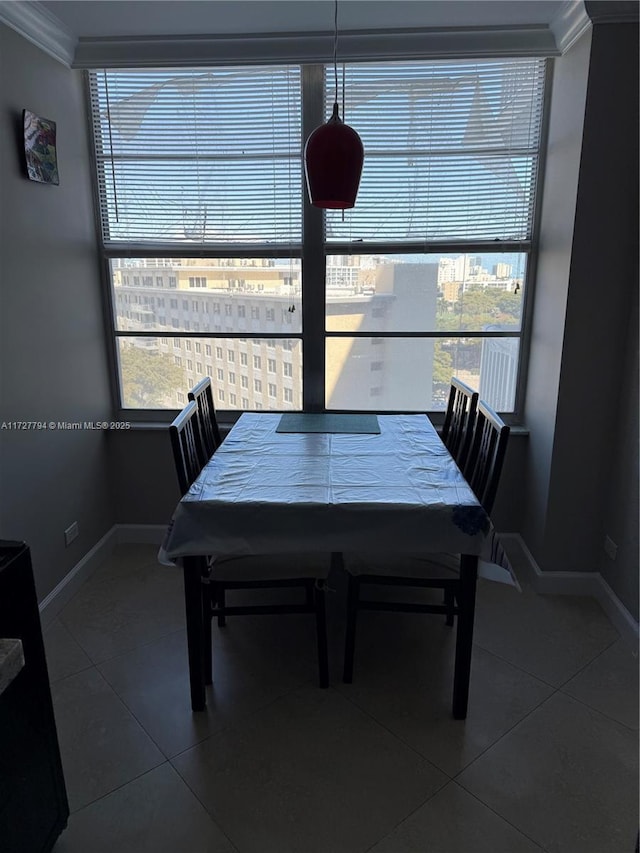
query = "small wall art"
x=40 y=148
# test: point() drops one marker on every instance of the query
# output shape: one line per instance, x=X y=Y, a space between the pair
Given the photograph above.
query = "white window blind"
x=451 y=149
x=199 y=156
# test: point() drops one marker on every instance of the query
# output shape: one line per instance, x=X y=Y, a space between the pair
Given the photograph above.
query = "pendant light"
x=333 y=155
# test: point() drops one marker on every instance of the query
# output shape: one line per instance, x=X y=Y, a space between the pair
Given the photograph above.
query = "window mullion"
x=313 y=262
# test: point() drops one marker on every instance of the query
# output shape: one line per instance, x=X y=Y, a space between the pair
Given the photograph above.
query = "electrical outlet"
x=72 y=532
x=610 y=548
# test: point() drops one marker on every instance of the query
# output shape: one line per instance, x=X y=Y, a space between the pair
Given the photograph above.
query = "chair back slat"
x=459 y=420
x=185 y=443
x=486 y=457
x=202 y=395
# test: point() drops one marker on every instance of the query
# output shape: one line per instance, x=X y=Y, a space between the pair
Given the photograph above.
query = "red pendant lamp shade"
x=333 y=158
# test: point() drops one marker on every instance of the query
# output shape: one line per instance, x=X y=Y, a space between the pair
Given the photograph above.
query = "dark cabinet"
x=33 y=800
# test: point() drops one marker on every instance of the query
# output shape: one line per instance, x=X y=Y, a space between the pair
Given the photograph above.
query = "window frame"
x=312 y=252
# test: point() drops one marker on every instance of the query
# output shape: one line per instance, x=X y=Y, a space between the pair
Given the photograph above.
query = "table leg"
x=464 y=637
x=195 y=631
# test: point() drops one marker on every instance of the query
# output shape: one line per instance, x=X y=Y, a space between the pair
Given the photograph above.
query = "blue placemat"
x=304 y=422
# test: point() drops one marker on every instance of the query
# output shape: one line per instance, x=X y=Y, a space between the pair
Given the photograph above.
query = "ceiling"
x=163 y=33
x=109 y=18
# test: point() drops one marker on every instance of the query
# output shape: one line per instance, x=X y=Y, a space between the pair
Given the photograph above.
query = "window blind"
x=451 y=149
x=199 y=156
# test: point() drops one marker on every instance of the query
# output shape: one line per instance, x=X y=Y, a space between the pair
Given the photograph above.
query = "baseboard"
x=63 y=592
x=581 y=583
x=550 y=583
x=61 y=595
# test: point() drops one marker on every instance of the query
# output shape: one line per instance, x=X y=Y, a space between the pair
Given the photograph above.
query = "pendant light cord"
x=335 y=47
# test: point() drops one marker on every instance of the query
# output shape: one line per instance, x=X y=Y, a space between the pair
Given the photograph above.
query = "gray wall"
x=144 y=476
x=52 y=339
x=554 y=259
x=582 y=394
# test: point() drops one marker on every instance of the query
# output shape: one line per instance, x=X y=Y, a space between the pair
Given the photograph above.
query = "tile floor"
x=546 y=760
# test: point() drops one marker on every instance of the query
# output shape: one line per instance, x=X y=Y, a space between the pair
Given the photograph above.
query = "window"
x=220 y=375
x=271 y=365
x=231 y=356
x=443 y=224
x=189 y=364
x=232 y=400
x=272 y=390
x=287 y=369
x=244 y=381
x=199 y=367
x=207 y=349
x=188 y=346
x=198 y=346
x=219 y=353
x=288 y=395
x=257 y=386
x=244 y=359
x=221 y=395
x=232 y=378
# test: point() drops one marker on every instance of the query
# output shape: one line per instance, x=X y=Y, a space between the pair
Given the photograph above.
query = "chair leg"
x=464 y=636
x=321 y=631
x=193 y=594
x=309 y=593
x=220 y=598
x=449 y=603
x=207 y=653
x=353 y=595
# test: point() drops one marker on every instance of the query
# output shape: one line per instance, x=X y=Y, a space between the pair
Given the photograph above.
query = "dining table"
x=333 y=484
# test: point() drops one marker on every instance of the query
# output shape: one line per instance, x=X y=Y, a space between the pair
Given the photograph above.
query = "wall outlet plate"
x=72 y=532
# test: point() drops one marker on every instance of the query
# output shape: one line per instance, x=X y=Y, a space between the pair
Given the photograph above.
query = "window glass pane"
x=413 y=374
x=207 y=295
x=156 y=373
x=425 y=293
x=451 y=149
x=206 y=155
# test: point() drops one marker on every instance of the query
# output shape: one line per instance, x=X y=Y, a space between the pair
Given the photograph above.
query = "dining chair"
x=459 y=420
x=210 y=438
x=271 y=571
x=440 y=571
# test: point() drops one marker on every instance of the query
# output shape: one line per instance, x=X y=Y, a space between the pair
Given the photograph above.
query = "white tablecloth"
x=399 y=491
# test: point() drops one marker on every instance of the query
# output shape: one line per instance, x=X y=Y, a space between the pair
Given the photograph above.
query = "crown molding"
x=43 y=29
x=612 y=11
x=134 y=52
x=570 y=24
x=37 y=25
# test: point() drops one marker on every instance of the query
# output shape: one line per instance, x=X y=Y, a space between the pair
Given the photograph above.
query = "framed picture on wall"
x=40 y=148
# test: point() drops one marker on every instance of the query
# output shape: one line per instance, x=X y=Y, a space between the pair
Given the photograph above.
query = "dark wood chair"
x=210 y=438
x=186 y=443
x=306 y=571
x=459 y=420
x=440 y=571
